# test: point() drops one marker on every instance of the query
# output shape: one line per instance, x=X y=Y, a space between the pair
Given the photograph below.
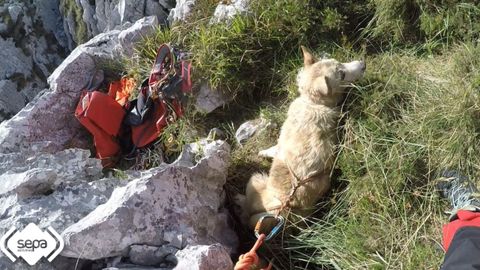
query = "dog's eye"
x=341 y=74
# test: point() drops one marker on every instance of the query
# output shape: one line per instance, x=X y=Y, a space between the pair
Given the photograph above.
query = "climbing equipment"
x=280 y=221
x=161 y=97
x=102 y=116
x=119 y=125
x=250 y=260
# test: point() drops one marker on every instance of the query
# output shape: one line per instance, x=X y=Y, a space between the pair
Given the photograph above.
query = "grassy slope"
x=412 y=117
x=415 y=113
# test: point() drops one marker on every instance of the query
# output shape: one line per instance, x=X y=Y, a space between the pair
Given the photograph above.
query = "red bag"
x=102 y=116
x=152 y=126
x=158 y=104
x=160 y=99
x=120 y=90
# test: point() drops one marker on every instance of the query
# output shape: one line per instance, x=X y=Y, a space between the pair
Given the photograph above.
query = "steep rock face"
x=48 y=121
x=33 y=41
x=36 y=35
x=84 y=19
x=42 y=180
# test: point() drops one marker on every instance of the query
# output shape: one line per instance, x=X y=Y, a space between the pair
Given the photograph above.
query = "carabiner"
x=274 y=231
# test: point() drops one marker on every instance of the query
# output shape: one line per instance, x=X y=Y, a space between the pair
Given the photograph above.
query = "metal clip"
x=274 y=231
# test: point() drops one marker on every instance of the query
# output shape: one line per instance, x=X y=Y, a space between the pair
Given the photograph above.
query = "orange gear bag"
x=102 y=116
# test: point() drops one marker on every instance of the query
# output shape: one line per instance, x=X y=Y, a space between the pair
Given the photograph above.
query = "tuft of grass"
x=178 y=134
x=70 y=8
x=241 y=56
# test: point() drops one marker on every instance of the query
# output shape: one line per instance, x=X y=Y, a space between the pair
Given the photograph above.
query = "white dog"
x=304 y=155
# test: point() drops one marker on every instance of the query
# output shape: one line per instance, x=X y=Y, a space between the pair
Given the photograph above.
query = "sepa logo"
x=31 y=244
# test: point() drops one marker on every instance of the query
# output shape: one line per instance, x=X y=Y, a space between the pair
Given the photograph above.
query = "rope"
x=296 y=184
x=250 y=260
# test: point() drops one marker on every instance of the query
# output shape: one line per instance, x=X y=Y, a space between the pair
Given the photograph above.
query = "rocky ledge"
x=168 y=217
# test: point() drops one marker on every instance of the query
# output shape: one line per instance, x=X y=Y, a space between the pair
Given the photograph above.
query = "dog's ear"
x=308 y=58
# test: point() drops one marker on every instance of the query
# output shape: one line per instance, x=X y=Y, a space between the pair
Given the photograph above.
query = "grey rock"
x=14 y=10
x=167 y=4
x=168 y=200
x=88 y=17
x=25 y=184
x=31 y=89
x=130 y=10
x=38 y=37
x=225 y=12
x=216 y=134
x=11 y=101
x=208 y=99
x=138 y=30
x=181 y=11
x=66 y=205
x=24 y=43
x=18 y=62
x=70 y=28
x=107 y=15
x=248 y=129
x=153 y=7
x=174 y=239
x=49 y=116
x=62 y=208
x=3 y=28
x=64 y=167
x=150 y=255
x=204 y=257
x=48 y=13
x=42 y=181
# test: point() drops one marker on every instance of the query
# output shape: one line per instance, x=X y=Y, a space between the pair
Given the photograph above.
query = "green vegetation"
x=416 y=112
x=69 y=8
x=411 y=118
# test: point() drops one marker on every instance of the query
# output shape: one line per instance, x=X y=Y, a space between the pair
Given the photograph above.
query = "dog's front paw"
x=269 y=153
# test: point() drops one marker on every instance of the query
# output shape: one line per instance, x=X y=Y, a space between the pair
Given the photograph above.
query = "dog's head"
x=323 y=81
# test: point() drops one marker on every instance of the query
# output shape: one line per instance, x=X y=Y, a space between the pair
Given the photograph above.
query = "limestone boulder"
x=177 y=204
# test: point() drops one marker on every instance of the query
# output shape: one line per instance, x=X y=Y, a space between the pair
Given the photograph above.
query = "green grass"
x=70 y=8
x=416 y=112
x=412 y=117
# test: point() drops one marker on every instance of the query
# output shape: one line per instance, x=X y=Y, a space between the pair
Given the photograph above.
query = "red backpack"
x=159 y=102
x=160 y=98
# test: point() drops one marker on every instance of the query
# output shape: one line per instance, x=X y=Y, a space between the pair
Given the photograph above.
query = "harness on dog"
x=250 y=259
x=285 y=205
x=296 y=184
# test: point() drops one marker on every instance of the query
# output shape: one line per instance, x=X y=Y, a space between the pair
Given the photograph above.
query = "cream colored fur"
x=307 y=141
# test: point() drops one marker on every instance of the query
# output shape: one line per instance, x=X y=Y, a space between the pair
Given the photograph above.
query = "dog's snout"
x=354 y=70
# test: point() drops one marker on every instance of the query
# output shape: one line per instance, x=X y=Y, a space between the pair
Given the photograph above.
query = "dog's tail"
x=259 y=180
